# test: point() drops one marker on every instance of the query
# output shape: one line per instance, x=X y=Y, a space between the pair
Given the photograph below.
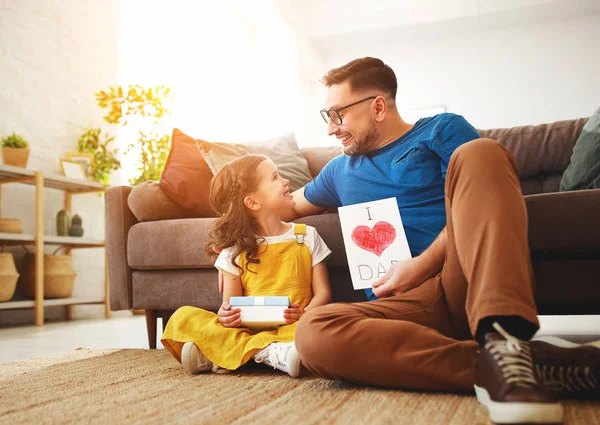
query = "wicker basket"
x=59 y=276
x=11 y=225
x=8 y=277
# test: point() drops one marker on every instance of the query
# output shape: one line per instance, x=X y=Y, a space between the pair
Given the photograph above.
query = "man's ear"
x=380 y=108
x=251 y=203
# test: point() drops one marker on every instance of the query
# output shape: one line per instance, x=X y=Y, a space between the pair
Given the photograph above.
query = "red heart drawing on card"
x=374 y=240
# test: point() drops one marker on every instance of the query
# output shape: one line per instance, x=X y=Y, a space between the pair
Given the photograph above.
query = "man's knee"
x=482 y=152
x=481 y=149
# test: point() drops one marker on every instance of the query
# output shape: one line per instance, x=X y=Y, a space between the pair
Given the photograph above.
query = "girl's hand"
x=228 y=317
x=293 y=313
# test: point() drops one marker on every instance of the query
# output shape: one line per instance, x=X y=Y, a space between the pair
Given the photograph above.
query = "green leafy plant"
x=151 y=148
x=152 y=156
x=105 y=159
x=136 y=100
x=14 y=141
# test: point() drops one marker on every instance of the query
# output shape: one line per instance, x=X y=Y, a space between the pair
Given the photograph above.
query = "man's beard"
x=366 y=144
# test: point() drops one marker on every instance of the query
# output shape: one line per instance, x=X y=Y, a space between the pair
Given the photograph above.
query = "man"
x=461 y=311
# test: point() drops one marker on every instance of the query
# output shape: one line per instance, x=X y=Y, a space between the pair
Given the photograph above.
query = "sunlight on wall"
x=232 y=67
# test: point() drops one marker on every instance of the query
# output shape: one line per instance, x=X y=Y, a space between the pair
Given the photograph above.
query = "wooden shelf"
x=73 y=241
x=16 y=237
x=56 y=181
x=70 y=241
x=10 y=174
x=18 y=304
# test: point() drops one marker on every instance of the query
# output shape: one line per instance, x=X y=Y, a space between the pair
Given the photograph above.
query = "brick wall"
x=53 y=56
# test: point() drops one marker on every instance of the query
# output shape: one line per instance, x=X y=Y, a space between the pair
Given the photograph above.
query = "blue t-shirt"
x=412 y=168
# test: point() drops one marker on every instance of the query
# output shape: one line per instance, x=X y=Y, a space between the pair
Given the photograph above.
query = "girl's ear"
x=251 y=204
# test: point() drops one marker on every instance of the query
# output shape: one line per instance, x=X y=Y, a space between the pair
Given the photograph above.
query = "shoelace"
x=514 y=358
x=567 y=379
x=274 y=355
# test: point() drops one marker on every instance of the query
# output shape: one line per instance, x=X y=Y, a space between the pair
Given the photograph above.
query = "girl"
x=260 y=255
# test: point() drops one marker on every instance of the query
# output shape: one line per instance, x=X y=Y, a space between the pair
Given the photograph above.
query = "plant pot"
x=59 y=276
x=8 y=277
x=15 y=156
x=11 y=225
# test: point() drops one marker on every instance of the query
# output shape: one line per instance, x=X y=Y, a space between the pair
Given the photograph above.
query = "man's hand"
x=228 y=317
x=293 y=313
x=400 y=278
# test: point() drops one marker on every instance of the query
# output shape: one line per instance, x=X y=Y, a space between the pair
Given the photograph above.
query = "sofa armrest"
x=119 y=220
x=564 y=221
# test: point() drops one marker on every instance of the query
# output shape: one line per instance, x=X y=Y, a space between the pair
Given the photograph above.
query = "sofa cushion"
x=541 y=184
x=540 y=149
x=317 y=157
x=169 y=244
x=186 y=178
x=583 y=171
x=171 y=289
x=179 y=244
x=282 y=150
x=557 y=222
x=564 y=221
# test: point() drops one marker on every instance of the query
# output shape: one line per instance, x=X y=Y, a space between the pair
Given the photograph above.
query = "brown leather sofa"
x=160 y=266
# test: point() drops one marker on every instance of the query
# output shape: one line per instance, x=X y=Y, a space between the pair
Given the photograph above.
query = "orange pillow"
x=186 y=177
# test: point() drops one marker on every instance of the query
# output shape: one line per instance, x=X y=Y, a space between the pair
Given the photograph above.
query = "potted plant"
x=15 y=150
x=105 y=158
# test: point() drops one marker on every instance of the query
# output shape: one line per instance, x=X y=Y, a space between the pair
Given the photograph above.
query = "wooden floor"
x=124 y=330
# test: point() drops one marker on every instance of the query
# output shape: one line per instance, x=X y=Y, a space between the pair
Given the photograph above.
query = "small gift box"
x=261 y=313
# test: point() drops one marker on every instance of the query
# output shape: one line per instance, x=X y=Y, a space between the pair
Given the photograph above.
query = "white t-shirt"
x=313 y=241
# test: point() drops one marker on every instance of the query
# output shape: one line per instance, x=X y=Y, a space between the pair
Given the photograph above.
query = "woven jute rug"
x=150 y=387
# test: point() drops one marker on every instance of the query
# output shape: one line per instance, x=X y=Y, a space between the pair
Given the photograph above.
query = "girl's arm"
x=232 y=287
x=320 y=286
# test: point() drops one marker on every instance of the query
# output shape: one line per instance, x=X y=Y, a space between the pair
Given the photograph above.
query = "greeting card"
x=374 y=238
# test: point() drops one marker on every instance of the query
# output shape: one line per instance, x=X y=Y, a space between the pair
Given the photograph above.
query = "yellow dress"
x=285 y=268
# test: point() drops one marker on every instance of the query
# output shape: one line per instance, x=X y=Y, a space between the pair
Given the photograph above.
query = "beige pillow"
x=283 y=151
x=148 y=202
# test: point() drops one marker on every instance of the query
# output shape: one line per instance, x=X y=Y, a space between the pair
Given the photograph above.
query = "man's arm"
x=302 y=208
x=408 y=274
x=433 y=258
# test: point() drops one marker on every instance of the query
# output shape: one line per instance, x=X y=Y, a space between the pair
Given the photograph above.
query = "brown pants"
x=423 y=339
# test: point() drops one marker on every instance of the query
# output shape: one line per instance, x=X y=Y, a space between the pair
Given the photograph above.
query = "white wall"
x=54 y=55
x=502 y=78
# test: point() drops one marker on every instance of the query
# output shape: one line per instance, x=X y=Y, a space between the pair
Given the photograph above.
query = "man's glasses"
x=333 y=114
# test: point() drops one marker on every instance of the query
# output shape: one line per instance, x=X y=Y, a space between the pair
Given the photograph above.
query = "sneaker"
x=572 y=370
x=282 y=356
x=193 y=360
x=505 y=382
